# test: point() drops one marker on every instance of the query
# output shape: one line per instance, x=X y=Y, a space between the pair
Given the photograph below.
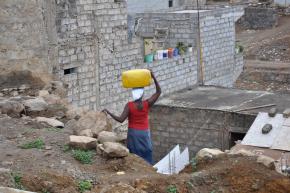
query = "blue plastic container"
x=175 y=52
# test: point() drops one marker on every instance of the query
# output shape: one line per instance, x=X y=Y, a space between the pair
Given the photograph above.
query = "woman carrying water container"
x=138 y=138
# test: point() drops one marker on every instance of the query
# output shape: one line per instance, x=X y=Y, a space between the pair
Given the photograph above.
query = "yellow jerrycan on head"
x=136 y=78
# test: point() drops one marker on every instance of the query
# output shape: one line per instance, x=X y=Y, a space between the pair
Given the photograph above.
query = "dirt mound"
x=239 y=174
x=49 y=182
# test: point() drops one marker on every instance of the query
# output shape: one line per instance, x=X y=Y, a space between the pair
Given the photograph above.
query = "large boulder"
x=86 y=132
x=74 y=112
x=35 y=105
x=82 y=142
x=11 y=108
x=114 y=150
x=107 y=136
x=50 y=121
x=95 y=121
x=206 y=153
x=52 y=99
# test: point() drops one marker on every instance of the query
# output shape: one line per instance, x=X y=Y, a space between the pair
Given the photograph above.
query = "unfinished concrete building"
x=88 y=43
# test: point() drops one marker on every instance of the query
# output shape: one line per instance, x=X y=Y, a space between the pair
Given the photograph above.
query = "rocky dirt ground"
x=50 y=165
x=261 y=49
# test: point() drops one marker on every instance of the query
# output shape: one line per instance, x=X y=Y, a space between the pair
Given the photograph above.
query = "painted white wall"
x=139 y=6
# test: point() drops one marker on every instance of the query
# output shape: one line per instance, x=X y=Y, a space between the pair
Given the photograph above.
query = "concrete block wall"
x=78 y=51
x=182 y=27
x=218 y=47
x=85 y=43
x=239 y=65
x=193 y=128
x=118 y=55
x=259 y=18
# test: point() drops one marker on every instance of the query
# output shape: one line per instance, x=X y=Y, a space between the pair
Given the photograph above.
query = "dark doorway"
x=235 y=137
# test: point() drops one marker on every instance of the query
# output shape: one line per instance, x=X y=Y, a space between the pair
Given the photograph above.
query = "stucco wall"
x=25 y=43
x=139 y=6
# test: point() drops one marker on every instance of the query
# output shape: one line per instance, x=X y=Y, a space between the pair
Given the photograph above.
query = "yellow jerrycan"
x=136 y=78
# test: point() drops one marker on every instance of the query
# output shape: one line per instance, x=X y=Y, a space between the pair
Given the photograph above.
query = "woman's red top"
x=138 y=119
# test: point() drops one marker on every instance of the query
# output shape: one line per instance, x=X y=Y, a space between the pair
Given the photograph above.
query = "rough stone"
x=286 y=113
x=106 y=136
x=50 y=121
x=86 y=132
x=11 y=190
x=11 y=107
x=82 y=142
x=43 y=93
x=5 y=177
x=95 y=121
x=266 y=161
x=267 y=128
x=242 y=152
x=35 y=105
x=114 y=150
x=74 y=112
x=52 y=99
x=208 y=153
x=272 y=112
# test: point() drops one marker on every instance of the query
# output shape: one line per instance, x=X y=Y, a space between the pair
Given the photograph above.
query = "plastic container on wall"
x=136 y=78
x=165 y=53
x=160 y=54
x=170 y=52
x=149 y=58
x=175 y=52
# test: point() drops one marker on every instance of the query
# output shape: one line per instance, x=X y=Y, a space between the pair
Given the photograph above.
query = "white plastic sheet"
x=277 y=138
x=173 y=162
x=255 y=137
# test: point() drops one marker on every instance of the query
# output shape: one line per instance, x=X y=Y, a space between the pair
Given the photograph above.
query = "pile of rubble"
x=92 y=130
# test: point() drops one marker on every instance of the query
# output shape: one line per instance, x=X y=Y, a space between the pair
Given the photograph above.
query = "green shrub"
x=171 y=189
x=193 y=163
x=65 y=148
x=85 y=157
x=38 y=144
x=84 y=185
x=17 y=181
